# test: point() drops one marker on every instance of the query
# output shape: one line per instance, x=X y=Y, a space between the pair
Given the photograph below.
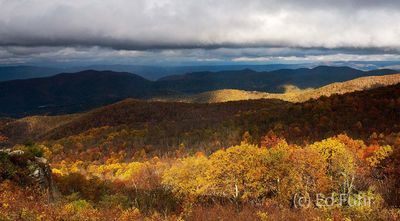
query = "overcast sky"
x=196 y=31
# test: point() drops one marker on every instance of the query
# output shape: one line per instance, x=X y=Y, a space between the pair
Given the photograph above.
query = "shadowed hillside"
x=160 y=125
x=82 y=91
x=66 y=93
x=271 y=82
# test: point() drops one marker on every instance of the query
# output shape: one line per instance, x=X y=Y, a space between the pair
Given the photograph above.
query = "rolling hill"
x=65 y=93
x=264 y=81
x=81 y=91
x=32 y=127
x=292 y=93
x=162 y=125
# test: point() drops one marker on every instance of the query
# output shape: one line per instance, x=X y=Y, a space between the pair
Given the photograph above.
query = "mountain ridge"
x=198 y=82
x=295 y=95
x=69 y=92
x=75 y=92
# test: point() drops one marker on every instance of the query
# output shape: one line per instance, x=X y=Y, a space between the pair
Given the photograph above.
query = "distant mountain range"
x=75 y=92
x=152 y=72
x=273 y=81
x=8 y=73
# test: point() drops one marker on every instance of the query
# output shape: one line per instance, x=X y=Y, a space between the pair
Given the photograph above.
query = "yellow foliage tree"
x=380 y=154
x=237 y=172
x=310 y=173
x=280 y=174
x=186 y=178
x=340 y=163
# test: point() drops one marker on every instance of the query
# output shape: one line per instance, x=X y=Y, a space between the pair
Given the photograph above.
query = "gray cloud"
x=149 y=24
x=202 y=30
x=100 y=55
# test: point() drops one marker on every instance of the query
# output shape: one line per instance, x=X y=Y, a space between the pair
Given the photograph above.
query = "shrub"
x=130 y=214
x=114 y=201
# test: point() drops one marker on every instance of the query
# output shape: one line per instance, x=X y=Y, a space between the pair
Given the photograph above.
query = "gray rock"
x=37 y=174
x=41 y=160
x=8 y=150
x=16 y=153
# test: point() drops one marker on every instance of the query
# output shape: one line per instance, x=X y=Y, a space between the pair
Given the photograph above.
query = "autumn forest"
x=331 y=158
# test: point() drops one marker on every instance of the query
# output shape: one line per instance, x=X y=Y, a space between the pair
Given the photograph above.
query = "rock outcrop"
x=25 y=169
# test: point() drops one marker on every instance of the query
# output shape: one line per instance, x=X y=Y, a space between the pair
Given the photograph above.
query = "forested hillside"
x=82 y=91
x=164 y=124
x=246 y=160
